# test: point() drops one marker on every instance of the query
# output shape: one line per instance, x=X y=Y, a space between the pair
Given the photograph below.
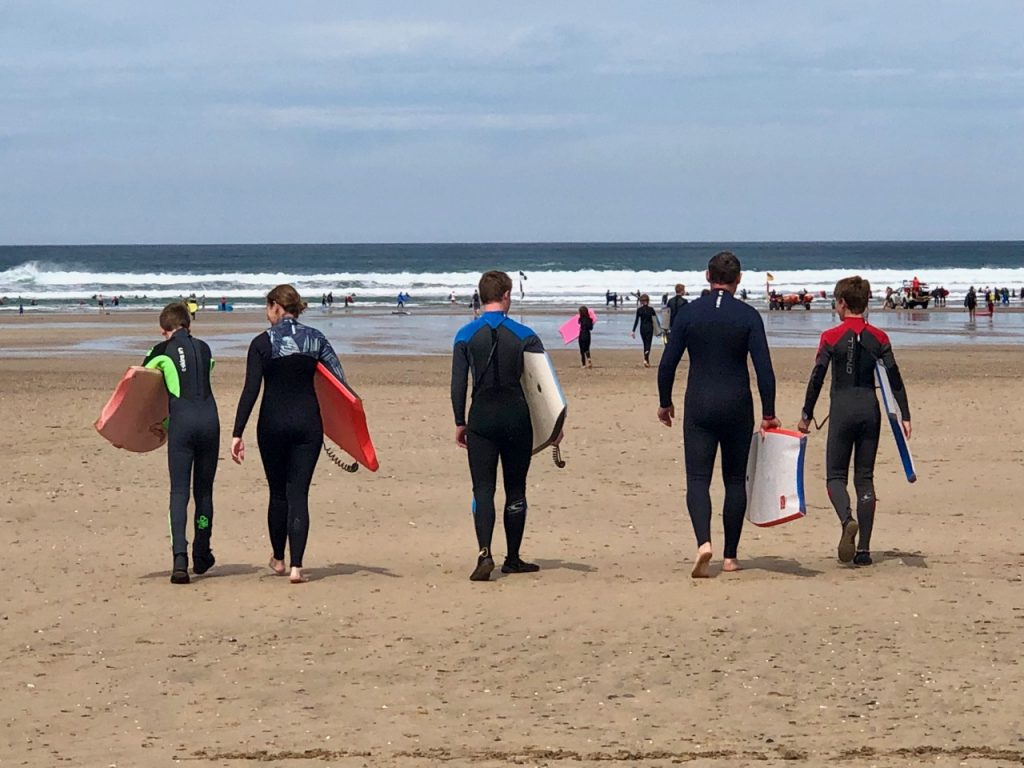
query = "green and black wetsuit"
x=193 y=434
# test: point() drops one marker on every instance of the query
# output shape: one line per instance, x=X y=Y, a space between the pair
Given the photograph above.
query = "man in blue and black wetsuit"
x=490 y=349
x=193 y=436
x=852 y=349
x=720 y=332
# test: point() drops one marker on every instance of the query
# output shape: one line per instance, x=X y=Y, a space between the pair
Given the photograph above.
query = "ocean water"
x=69 y=278
x=379 y=332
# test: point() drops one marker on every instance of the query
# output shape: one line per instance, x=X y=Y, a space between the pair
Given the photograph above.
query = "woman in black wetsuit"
x=586 y=326
x=289 y=431
x=645 y=317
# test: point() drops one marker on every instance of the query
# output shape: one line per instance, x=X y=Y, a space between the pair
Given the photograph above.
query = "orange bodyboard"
x=133 y=416
x=344 y=419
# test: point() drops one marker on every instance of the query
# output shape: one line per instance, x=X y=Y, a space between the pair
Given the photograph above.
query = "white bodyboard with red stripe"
x=775 y=477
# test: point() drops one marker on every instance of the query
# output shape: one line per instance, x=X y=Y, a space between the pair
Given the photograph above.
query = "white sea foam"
x=34 y=280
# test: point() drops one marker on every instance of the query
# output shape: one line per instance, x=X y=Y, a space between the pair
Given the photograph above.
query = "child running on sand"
x=193 y=436
x=852 y=348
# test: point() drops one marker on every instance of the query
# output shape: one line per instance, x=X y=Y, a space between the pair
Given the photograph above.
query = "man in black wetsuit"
x=851 y=349
x=193 y=436
x=720 y=332
x=676 y=303
x=490 y=349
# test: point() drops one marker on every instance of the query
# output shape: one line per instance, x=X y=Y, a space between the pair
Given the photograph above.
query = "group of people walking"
x=718 y=331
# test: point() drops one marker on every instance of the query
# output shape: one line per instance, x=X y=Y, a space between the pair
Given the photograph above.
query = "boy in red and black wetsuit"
x=852 y=348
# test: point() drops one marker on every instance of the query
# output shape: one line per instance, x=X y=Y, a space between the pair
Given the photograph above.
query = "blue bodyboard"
x=892 y=411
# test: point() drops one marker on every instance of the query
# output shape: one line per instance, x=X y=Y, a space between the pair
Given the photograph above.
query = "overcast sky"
x=330 y=121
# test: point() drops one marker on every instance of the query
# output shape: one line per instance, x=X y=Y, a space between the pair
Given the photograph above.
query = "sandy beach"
x=610 y=655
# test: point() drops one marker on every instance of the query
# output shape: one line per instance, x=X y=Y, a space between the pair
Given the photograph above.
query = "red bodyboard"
x=344 y=419
x=133 y=417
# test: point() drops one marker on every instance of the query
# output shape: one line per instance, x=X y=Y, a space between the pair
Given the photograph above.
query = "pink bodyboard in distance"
x=133 y=417
x=344 y=419
x=570 y=329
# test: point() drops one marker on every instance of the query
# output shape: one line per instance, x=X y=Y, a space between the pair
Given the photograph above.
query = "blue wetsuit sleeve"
x=533 y=344
x=762 y=366
x=251 y=388
x=460 y=381
x=331 y=361
x=821 y=363
x=670 y=360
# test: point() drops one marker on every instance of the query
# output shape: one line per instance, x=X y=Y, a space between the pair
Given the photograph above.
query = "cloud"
x=370 y=119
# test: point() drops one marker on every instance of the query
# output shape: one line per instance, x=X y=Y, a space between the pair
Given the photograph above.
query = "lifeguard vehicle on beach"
x=914 y=295
x=778 y=300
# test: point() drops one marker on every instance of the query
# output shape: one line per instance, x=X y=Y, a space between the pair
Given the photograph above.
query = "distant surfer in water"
x=720 y=332
x=851 y=349
x=289 y=431
x=645 y=316
x=193 y=436
x=586 y=326
x=491 y=349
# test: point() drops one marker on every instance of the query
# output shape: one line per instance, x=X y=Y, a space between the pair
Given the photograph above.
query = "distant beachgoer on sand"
x=990 y=301
x=676 y=303
x=645 y=316
x=451 y=298
x=719 y=333
x=476 y=303
x=971 y=302
x=586 y=326
x=852 y=349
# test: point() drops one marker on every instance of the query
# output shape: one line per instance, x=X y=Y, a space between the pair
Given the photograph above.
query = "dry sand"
x=611 y=654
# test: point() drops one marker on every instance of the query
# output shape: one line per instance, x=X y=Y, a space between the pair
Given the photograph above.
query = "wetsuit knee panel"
x=516 y=508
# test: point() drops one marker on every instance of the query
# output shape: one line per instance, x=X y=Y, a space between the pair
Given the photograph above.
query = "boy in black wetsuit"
x=193 y=436
x=720 y=332
x=491 y=350
x=852 y=348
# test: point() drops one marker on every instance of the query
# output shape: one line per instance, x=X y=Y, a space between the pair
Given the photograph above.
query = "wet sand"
x=610 y=655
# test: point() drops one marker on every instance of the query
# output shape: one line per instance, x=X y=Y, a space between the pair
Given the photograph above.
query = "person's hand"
x=158 y=430
x=237 y=450
x=906 y=429
x=460 y=437
x=558 y=440
x=804 y=425
x=770 y=423
x=632 y=334
x=665 y=415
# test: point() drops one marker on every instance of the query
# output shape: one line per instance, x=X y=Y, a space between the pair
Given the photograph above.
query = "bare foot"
x=277 y=566
x=731 y=564
x=296 y=576
x=700 y=565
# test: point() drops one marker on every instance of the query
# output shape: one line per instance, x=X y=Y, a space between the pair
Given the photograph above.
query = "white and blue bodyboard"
x=544 y=398
x=775 y=477
x=892 y=410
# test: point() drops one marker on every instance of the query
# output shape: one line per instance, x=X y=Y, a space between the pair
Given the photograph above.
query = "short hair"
x=645 y=299
x=288 y=299
x=680 y=288
x=855 y=291
x=494 y=285
x=174 y=316
x=724 y=268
